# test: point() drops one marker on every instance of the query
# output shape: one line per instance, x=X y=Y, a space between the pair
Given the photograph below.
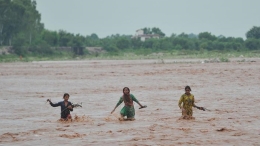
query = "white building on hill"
x=140 y=34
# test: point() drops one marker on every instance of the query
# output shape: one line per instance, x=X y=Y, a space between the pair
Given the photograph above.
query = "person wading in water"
x=188 y=102
x=128 y=110
x=66 y=107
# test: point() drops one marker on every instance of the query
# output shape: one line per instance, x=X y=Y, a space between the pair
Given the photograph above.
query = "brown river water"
x=229 y=90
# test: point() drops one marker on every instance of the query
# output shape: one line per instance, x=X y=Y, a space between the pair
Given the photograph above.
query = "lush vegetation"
x=21 y=28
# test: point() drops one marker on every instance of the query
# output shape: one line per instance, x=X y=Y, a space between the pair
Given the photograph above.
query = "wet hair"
x=66 y=94
x=126 y=88
x=126 y=97
x=188 y=87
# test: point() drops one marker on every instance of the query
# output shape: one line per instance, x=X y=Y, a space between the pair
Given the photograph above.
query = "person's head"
x=66 y=96
x=126 y=91
x=187 y=89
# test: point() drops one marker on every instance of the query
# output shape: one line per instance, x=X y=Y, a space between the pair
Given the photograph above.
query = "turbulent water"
x=230 y=90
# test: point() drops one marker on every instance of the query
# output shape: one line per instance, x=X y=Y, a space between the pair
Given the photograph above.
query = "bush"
x=223 y=59
x=253 y=44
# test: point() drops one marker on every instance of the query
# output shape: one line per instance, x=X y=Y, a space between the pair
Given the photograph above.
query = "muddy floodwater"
x=230 y=90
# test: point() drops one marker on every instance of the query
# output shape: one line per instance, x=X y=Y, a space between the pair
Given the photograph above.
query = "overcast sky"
x=106 y=17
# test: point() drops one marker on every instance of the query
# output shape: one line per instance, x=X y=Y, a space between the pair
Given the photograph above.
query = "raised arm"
x=53 y=105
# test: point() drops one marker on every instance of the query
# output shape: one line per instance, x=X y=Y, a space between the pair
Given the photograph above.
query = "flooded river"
x=230 y=90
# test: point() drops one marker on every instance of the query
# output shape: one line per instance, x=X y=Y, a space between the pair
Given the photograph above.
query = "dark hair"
x=126 y=88
x=66 y=94
x=188 y=87
x=127 y=98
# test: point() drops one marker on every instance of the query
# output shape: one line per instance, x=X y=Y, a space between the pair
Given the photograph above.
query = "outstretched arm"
x=135 y=100
x=118 y=103
x=139 y=104
x=194 y=105
x=53 y=105
x=114 y=109
x=198 y=107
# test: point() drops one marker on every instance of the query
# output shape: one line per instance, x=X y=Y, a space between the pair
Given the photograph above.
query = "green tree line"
x=21 y=28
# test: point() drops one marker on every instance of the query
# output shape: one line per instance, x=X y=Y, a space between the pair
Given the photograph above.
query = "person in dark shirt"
x=66 y=107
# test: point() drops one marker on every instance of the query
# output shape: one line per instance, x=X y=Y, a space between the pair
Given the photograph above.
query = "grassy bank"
x=36 y=57
x=133 y=55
